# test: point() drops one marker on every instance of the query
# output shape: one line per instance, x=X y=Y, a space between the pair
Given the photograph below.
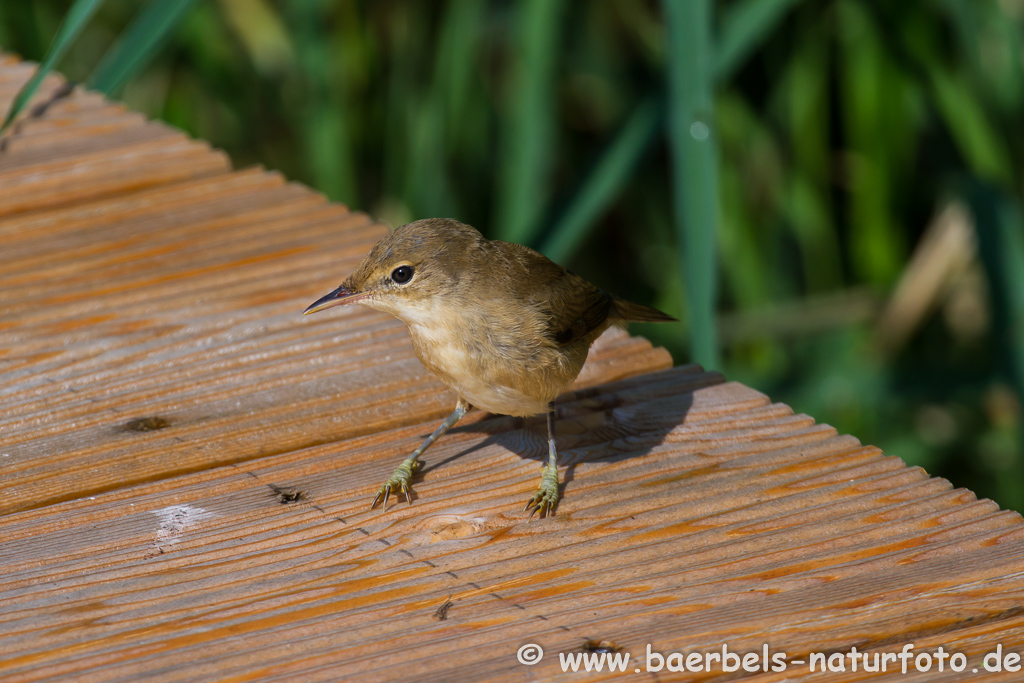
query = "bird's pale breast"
x=494 y=364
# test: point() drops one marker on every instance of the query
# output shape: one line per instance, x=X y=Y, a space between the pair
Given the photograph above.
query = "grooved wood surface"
x=186 y=464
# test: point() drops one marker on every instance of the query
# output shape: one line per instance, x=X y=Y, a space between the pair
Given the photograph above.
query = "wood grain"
x=186 y=465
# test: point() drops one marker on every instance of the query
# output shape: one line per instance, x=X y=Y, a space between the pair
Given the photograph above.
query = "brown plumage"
x=505 y=327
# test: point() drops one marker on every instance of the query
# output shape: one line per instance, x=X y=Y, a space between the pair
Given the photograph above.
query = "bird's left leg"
x=546 y=497
x=401 y=478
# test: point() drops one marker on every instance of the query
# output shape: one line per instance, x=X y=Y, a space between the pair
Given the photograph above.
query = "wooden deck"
x=186 y=464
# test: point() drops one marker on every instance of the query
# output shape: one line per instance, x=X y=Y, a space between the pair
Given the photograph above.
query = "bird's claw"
x=546 y=497
x=399 y=482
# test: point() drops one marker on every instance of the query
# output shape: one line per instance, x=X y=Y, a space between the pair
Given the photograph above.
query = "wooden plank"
x=82 y=146
x=841 y=537
x=186 y=465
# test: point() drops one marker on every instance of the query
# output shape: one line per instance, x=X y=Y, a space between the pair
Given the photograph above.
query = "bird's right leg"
x=546 y=497
x=401 y=479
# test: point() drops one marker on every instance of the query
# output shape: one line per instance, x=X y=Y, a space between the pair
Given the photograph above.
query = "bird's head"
x=411 y=270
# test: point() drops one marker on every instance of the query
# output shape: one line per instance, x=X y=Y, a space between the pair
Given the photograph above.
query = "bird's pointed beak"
x=342 y=295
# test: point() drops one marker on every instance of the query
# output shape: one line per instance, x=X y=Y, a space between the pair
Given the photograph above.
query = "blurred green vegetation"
x=856 y=165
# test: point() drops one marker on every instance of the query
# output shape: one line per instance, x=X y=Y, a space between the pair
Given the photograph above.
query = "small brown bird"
x=506 y=328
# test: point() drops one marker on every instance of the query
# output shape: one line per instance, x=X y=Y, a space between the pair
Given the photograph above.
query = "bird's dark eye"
x=402 y=274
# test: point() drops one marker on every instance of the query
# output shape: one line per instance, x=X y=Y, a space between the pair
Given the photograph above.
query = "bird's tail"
x=638 y=313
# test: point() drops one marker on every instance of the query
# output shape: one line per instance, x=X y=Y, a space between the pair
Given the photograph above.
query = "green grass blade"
x=694 y=165
x=527 y=148
x=460 y=38
x=878 y=139
x=1000 y=227
x=77 y=17
x=990 y=42
x=262 y=33
x=428 y=186
x=743 y=29
x=981 y=144
x=134 y=48
x=323 y=124
x=605 y=181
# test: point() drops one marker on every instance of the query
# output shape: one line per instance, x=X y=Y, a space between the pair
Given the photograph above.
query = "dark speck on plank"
x=441 y=613
x=287 y=495
x=147 y=424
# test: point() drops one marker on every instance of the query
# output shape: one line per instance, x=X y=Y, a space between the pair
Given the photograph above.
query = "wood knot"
x=447 y=527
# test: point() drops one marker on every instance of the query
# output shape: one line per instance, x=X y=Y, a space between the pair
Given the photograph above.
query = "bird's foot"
x=400 y=481
x=546 y=497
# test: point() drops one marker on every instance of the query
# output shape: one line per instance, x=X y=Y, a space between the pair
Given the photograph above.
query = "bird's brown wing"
x=571 y=307
x=564 y=331
x=574 y=307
